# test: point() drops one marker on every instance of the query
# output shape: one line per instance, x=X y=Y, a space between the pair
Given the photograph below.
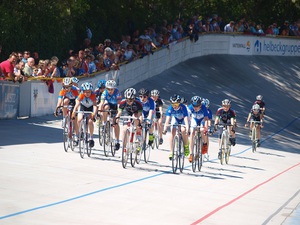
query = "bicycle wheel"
x=146 y=147
x=175 y=151
x=82 y=139
x=71 y=135
x=199 y=158
x=100 y=131
x=227 y=153
x=181 y=155
x=125 y=148
x=253 y=138
x=156 y=136
x=66 y=133
x=133 y=151
x=106 y=139
x=195 y=154
x=222 y=147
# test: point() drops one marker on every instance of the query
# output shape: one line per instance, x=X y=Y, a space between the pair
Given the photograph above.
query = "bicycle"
x=146 y=148
x=197 y=149
x=100 y=129
x=225 y=145
x=108 y=133
x=83 y=135
x=68 y=129
x=130 y=142
x=254 y=134
x=178 y=149
x=155 y=133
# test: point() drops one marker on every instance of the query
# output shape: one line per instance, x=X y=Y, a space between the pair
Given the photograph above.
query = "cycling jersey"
x=132 y=109
x=147 y=106
x=87 y=102
x=158 y=103
x=112 y=99
x=255 y=117
x=197 y=116
x=225 y=116
x=177 y=115
x=98 y=94
x=72 y=94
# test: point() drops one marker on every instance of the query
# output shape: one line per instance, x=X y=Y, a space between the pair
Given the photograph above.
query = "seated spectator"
x=7 y=67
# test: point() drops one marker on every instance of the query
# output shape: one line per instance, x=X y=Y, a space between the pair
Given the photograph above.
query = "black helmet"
x=144 y=92
x=175 y=99
x=196 y=101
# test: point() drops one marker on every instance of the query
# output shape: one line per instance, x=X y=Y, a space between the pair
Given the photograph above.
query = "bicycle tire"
x=253 y=138
x=106 y=139
x=199 y=159
x=222 y=147
x=71 y=135
x=156 y=136
x=125 y=148
x=227 y=153
x=100 y=131
x=181 y=156
x=195 y=154
x=82 y=139
x=133 y=152
x=146 y=146
x=66 y=134
x=175 y=153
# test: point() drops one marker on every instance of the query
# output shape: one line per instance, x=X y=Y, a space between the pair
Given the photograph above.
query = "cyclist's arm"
x=77 y=103
x=167 y=122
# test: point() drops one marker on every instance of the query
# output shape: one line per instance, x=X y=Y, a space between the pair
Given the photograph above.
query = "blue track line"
x=127 y=183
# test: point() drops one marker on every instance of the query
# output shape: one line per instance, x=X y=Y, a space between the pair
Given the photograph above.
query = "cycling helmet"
x=183 y=100
x=196 y=101
x=256 y=107
x=75 y=80
x=175 y=99
x=144 y=92
x=101 y=84
x=67 y=81
x=259 y=97
x=130 y=93
x=86 y=86
x=111 y=84
x=226 y=102
x=206 y=102
x=154 y=92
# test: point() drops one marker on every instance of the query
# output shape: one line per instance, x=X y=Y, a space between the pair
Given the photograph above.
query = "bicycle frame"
x=254 y=134
x=225 y=145
x=146 y=149
x=108 y=133
x=83 y=134
x=197 y=149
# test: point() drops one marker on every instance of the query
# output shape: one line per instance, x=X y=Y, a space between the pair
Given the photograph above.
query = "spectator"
x=259 y=29
x=252 y=28
x=20 y=55
x=36 y=57
x=28 y=70
x=284 y=28
x=240 y=26
x=275 y=29
x=129 y=54
x=7 y=67
x=100 y=63
x=26 y=55
x=108 y=44
x=294 y=29
x=19 y=71
x=221 y=23
x=70 y=70
x=269 y=31
x=126 y=41
x=229 y=27
x=192 y=31
x=91 y=64
x=119 y=57
x=99 y=50
x=108 y=58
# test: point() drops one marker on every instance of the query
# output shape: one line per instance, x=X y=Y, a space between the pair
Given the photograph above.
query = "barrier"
x=33 y=99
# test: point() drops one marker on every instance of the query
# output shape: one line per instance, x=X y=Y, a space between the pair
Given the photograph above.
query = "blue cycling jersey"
x=178 y=114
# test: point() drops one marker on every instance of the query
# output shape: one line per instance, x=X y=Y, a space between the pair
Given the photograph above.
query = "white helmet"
x=67 y=81
x=256 y=107
x=259 y=97
x=206 y=102
x=86 y=86
x=226 y=102
x=130 y=93
x=154 y=92
x=111 y=84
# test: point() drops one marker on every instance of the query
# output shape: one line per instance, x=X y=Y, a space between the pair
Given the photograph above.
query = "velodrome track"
x=41 y=184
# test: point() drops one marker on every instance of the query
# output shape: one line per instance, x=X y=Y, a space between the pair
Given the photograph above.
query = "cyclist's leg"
x=185 y=141
x=192 y=133
x=66 y=102
x=104 y=114
x=160 y=128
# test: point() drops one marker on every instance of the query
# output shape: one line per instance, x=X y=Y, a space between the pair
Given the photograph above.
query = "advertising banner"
x=9 y=100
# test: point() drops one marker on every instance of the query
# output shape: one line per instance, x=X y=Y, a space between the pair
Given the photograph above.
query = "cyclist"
x=206 y=102
x=226 y=115
x=99 y=90
x=158 y=112
x=261 y=104
x=255 y=115
x=198 y=113
x=66 y=96
x=86 y=101
x=75 y=82
x=110 y=99
x=177 y=114
x=131 y=107
x=148 y=110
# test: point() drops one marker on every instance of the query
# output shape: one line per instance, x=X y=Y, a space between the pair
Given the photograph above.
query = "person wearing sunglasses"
x=226 y=115
x=110 y=99
x=130 y=106
x=198 y=113
x=177 y=114
x=86 y=101
x=148 y=109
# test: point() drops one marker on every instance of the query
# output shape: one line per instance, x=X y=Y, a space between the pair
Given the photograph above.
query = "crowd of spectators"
x=109 y=55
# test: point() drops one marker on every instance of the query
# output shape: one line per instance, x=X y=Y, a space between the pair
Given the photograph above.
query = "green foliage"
x=53 y=27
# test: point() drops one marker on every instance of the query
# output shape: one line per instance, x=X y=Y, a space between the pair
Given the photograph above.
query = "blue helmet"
x=196 y=101
x=101 y=83
x=86 y=86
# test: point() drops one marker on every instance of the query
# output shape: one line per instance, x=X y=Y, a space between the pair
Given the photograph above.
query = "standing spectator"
x=26 y=55
x=108 y=58
x=129 y=54
x=107 y=43
x=36 y=57
x=229 y=27
x=7 y=67
x=99 y=50
x=19 y=71
x=269 y=31
x=275 y=29
x=221 y=23
x=259 y=29
x=91 y=64
x=284 y=28
x=20 y=55
x=70 y=70
x=28 y=70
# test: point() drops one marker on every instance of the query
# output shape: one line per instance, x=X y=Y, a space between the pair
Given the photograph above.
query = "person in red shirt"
x=7 y=67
